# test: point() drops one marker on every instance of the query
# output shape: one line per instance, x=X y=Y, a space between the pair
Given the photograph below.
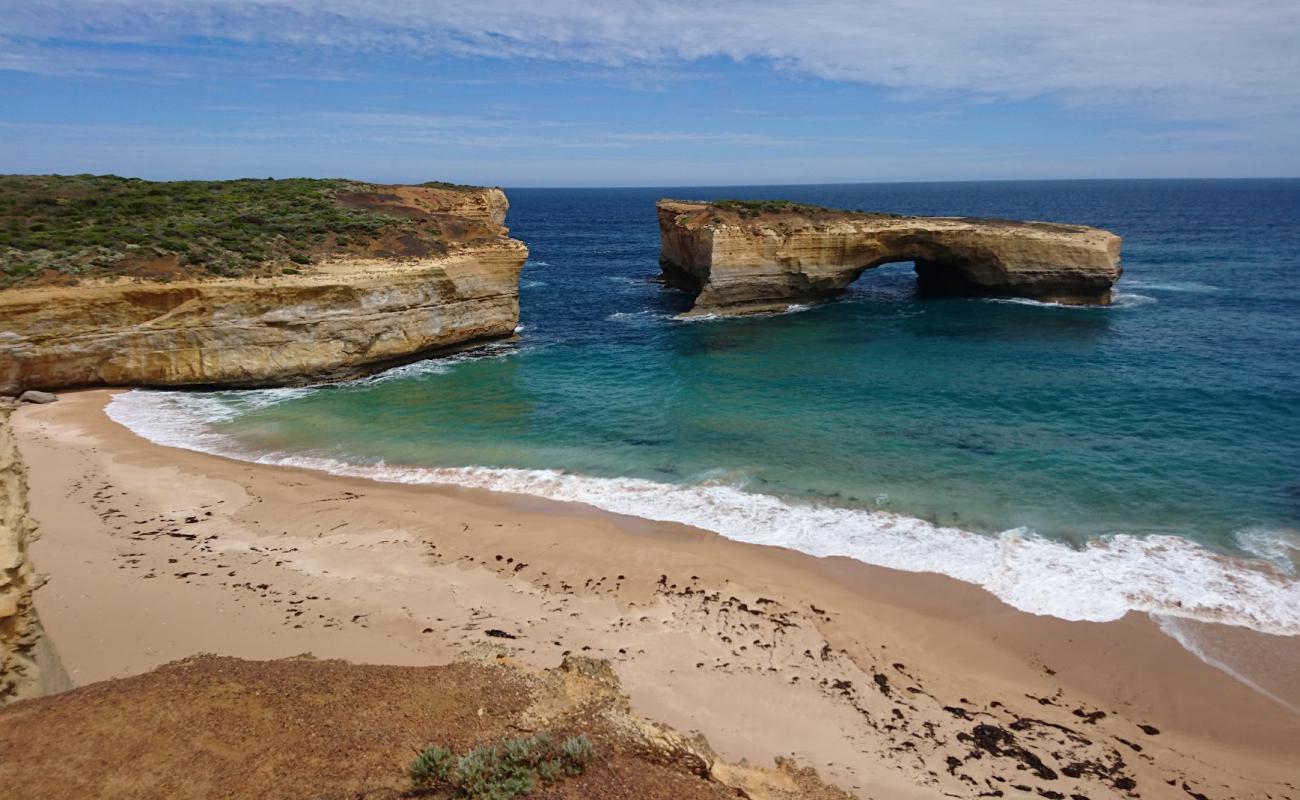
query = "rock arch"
x=743 y=258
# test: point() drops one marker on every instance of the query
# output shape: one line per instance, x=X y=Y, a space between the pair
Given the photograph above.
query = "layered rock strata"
x=754 y=257
x=343 y=316
x=28 y=665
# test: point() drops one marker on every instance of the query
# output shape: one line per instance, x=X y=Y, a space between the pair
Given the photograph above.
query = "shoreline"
x=1109 y=576
x=279 y=560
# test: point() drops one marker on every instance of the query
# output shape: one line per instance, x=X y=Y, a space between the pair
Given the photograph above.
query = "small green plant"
x=502 y=771
x=577 y=752
x=550 y=771
x=431 y=766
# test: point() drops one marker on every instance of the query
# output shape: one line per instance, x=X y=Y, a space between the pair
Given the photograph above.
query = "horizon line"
x=671 y=185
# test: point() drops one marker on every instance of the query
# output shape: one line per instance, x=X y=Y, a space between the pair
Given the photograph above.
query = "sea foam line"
x=1118 y=300
x=1102 y=581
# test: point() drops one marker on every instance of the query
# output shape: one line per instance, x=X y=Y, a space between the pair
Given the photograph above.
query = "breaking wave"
x=1110 y=576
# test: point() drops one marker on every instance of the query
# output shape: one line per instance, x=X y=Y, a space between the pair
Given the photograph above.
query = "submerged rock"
x=745 y=257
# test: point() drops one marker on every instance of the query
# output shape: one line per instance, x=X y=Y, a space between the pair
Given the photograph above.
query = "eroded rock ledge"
x=750 y=257
x=29 y=666
x=404 y=296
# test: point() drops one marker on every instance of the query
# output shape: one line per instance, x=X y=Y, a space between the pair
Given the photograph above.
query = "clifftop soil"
x=213 y=727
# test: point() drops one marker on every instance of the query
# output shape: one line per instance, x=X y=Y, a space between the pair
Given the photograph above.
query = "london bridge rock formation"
x=299 y=281
x=742 y=257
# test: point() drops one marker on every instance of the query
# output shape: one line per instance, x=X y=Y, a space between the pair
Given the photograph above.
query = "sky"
x=594 y=93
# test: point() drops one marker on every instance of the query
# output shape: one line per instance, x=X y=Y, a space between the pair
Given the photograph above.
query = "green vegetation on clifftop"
x=753 y=208
x=501 y=772
x=62 y=228
x=756 y=207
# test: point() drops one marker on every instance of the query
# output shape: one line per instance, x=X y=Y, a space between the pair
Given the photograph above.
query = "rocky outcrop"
x=741 y=257
x=28 y=665
x=398 y=301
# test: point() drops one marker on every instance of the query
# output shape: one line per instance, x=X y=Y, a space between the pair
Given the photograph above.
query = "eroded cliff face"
x=28 y=667
x=741 y=260
x=344 y=316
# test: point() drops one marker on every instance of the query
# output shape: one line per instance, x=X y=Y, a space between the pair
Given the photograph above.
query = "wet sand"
x=892 y=684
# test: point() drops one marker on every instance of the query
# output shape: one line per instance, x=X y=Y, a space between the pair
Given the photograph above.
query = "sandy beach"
x=891 y=684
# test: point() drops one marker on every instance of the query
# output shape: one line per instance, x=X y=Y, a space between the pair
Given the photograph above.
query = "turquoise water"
x=1026 y=447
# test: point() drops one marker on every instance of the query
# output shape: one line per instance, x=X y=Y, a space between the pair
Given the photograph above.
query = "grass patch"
x=756 y=207
x=753 y=208
x=501 y=771
x=103 y=225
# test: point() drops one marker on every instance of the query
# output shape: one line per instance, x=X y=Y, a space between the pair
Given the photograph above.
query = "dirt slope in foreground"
x=212 y=727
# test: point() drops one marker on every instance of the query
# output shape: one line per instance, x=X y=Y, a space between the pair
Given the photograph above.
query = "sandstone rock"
x=741 y=260
x=28 y=664
x=34 y=396
x=337 y=319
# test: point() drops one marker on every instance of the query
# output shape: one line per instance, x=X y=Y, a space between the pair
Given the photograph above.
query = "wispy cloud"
x=521 y=91
x=1179 y=57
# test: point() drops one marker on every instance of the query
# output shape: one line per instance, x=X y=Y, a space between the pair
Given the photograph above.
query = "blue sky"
x=565 y=93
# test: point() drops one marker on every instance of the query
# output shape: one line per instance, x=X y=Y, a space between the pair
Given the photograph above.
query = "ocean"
x=1078 y=462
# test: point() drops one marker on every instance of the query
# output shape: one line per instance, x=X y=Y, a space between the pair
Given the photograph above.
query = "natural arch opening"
x=740 y=258
x=937 y=270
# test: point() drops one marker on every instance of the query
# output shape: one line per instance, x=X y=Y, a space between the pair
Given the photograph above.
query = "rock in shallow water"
x=747 y=257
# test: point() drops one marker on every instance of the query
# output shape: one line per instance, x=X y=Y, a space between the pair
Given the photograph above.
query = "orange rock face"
x=342 y=317
x=745 y=260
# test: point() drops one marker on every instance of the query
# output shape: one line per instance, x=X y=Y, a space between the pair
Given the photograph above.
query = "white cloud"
x=1187 y=58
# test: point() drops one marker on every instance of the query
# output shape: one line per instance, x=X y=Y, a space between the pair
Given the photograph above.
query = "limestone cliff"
x=742 y=257
x=447 y=277
x=28 y=666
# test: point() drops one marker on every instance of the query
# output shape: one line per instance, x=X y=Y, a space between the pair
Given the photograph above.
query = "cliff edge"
x=743 y=257
x=28 y=664
x=246 y=283
x=328 y=729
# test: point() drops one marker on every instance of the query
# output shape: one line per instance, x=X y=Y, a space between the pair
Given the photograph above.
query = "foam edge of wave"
x=1102 y=581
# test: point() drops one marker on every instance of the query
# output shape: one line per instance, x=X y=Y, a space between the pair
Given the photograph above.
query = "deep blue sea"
x=1076 y=461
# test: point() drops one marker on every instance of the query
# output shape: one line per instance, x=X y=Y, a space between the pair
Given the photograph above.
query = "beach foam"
x=1164 y=575
x=1191 y=287
x=1117 y=300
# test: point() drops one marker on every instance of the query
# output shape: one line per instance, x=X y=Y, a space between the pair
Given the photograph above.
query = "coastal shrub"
x=577 y=752
x=753 y=208
x=431 y=766
x=68 y=223
x=501 y=771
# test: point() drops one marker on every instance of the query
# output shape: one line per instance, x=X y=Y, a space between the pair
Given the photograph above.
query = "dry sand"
x=893 y=685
